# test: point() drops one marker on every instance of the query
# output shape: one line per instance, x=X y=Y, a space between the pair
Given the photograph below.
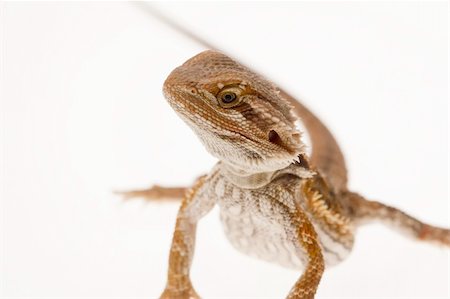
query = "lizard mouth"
x=272 y=136
x=192 y=109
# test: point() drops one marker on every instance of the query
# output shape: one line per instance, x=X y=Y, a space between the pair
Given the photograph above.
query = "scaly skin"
x=276 y=203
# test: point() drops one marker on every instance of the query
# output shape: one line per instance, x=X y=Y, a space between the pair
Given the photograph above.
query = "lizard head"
x=238 y=115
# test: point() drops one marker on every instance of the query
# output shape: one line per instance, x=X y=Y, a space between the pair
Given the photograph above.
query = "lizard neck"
x=253 y=180
x=244 y=178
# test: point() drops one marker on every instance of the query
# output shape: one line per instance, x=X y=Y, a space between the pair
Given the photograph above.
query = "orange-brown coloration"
x=156 y=192
x=326 y=155
x=308 y=283
x=326 y=208
x=178 y=282
x=269 y=197
x=364 y=211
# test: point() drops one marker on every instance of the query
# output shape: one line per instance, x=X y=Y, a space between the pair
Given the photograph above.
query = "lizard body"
x=255 y=220
x=276 y=203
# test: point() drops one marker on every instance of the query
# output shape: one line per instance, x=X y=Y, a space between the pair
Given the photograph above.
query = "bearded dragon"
x=276 y=202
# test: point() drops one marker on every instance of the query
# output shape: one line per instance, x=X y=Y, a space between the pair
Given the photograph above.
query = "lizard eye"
x=229 y=97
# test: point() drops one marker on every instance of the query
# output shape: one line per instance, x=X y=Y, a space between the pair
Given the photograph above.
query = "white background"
x=82 y=115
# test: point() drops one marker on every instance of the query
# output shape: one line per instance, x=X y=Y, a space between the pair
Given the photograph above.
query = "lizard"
x=276 y=202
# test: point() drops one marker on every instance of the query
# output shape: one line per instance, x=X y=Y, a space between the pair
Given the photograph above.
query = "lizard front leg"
x=193 y=207
x=306 y=286
x=156 y=192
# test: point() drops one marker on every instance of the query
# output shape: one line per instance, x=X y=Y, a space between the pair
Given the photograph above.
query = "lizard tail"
x=326 y=154
x=364 y=211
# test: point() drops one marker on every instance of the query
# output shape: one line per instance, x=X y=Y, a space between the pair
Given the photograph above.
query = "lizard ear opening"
x=275 y=138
